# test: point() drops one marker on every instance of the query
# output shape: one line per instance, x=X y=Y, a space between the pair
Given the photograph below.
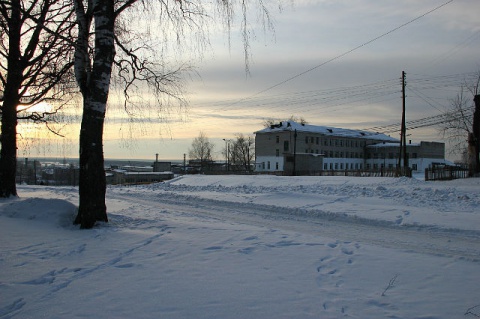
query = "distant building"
x=119 y=176
x=162 y=166
x=290 y=146
x=158 y=172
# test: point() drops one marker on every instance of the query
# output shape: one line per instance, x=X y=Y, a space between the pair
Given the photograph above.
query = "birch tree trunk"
x=93 y=78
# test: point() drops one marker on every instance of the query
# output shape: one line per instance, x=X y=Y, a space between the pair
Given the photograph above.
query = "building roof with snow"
x=327 y=131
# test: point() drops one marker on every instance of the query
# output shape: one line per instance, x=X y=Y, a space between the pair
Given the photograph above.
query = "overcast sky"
x=335 y=63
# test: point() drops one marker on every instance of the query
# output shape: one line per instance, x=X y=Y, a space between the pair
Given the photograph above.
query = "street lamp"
x=226 y=152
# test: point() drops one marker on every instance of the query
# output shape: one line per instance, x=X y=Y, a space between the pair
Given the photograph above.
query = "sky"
x=335 y=63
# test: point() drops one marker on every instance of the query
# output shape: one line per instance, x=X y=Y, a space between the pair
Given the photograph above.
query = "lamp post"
x=226 y=152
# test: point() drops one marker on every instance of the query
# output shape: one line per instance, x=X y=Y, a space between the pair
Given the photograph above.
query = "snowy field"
x=246 y=247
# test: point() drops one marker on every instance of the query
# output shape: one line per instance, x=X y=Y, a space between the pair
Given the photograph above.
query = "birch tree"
x=100 y=31
x=35 y=65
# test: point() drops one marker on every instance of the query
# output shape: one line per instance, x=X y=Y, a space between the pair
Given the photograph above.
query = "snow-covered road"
x=200 y=203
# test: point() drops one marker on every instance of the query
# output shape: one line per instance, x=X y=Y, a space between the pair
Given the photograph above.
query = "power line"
x=344 y=54
x=423 y=122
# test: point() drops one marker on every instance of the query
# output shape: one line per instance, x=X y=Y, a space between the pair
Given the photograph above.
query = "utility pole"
x=403 y=134
x=405 y=154
x=184 y=163
x=294 y=173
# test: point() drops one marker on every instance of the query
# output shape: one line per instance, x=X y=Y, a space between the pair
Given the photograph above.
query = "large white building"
x=312 y=148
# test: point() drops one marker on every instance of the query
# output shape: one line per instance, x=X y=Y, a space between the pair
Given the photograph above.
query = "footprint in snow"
x=399 y=220
x=213 y=248
x=332 y=245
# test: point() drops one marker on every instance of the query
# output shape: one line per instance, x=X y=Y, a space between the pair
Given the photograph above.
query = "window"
x=277 y=138
x=325 y=166
x=277 y=152
x=285 y=146
x=317 y=141
x=336 y=166
x=414 y=167
x=276 y=166
x=414 y=155
x=268 y=165
x=306 y=139
x=311 y=139
x=341 y=165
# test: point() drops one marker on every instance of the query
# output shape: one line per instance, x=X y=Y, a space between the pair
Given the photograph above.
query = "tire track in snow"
x=423 y=239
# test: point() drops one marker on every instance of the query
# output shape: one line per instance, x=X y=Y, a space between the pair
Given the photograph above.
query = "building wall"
x=123 y=177
x=420 y=155
x=303 y=164
x=340 y=153
x=162 y=166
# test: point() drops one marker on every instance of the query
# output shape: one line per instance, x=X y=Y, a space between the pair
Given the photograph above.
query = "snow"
x=246 y=247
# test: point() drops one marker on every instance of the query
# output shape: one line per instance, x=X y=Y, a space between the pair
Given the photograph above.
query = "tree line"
x=239 y=153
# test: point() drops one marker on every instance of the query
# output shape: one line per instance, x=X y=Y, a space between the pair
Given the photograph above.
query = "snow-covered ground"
x=246 y=247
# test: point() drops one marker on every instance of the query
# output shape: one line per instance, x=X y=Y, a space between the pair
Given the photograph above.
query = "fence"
x=445 y=173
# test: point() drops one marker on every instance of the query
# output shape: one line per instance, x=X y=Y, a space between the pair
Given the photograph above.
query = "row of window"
x=390 y=155
x=330 y=154
x=326 y=142
x=333 y=154
x=326 y=166
x=342 y=166
x=269 y=166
